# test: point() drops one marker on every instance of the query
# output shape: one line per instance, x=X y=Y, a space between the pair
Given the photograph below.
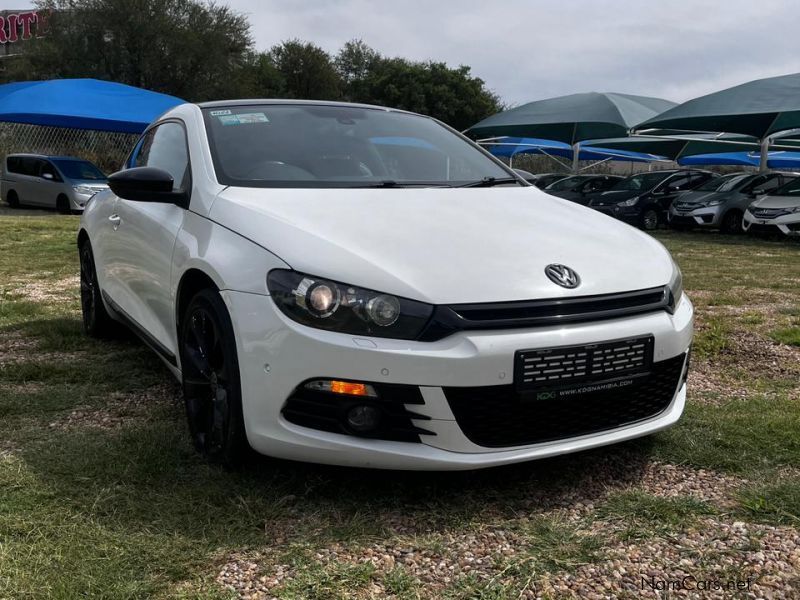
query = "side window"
x=696 y=180
x=676 y=184
x=47 y=168
x=31 y=166
x=771 y=182
x=164 y=147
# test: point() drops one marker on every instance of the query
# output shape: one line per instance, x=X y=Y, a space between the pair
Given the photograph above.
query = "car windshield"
x=644 y=181
x=788 y=189
x=317 y=145
x=723 y=184
x=563 y=185
x=79 y=169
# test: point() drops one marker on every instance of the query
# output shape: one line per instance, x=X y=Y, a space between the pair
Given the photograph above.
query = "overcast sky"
x=531 y=49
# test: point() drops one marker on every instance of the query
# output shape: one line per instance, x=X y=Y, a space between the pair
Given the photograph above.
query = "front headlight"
x=716 y=202
x=675 y=285
x=629 y=202
x=84 y=189
x=335 y=306
x=794 y=209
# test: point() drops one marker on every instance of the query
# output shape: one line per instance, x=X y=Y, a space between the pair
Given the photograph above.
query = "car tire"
x=96 y=321
x=211 y=384
x=12 y=199
x=62 y=205
x=649 y=220
x=732 y=222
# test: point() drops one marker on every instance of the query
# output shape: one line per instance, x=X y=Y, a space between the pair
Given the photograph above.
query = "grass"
x=130 y=511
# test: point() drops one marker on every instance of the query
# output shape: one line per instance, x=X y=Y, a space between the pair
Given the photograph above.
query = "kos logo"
x=546 y=396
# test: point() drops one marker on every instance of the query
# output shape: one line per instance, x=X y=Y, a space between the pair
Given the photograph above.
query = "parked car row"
x=690 y=198
x=62 y=182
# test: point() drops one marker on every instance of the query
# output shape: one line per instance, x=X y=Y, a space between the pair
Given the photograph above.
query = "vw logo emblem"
x=563 y=276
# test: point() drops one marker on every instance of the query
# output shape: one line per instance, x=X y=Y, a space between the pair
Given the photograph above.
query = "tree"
x=189 y=48
x=307 y=71
x=432 y=88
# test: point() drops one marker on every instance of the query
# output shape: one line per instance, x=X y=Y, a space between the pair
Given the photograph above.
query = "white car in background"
x=355 y=285
x=779 y=212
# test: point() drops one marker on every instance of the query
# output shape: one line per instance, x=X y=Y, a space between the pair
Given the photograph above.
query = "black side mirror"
x=146 y=184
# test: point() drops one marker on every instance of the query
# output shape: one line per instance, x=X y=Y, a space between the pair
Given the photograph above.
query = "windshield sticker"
x=243 y=119
x=219 y=113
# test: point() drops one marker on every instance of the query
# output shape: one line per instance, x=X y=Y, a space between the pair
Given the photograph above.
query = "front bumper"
x=788 y=225
x=277 y=354
x=706 y=216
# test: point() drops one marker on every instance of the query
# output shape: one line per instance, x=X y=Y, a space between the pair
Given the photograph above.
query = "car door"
x=48 y=185
x=670 y=189
x=139 y=253
x=28 y=181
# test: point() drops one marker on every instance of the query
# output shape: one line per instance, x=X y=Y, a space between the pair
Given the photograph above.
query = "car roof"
x=45 y=156
x=289 y=102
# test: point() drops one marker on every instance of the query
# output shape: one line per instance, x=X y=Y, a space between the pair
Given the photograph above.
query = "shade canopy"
x=679 y=146
x=775 y=160
x=758 y=108
x=83 y=104
x=509 y=147
x=573 y=118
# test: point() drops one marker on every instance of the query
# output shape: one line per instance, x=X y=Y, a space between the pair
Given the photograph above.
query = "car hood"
x=614 y=196
x=777 y=202
x=702 y=197
x=445 y=245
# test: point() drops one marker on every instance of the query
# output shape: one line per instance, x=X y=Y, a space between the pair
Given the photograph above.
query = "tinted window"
x=723 y=184
x=164 y=147
x=338 y=146
x=79 y=169
x=678 y=183
x=790 y=189
x=568 y=183
x=14 y=164
x=767 y=183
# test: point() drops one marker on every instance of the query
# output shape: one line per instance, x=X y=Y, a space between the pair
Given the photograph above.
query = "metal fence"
x=105 y=149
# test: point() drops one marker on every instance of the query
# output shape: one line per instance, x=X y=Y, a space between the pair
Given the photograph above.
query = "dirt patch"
x=121 y=409
x=62 y=290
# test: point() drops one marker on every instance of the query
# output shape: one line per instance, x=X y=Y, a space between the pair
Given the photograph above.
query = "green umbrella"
x=572 y=119
x=760 y=109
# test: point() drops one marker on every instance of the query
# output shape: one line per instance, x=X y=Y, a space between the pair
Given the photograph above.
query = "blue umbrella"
x=83 y=104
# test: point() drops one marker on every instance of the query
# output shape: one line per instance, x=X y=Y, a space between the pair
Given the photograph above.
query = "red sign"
x=22 y=26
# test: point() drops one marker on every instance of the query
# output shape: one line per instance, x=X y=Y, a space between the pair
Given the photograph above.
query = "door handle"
x=115 y=221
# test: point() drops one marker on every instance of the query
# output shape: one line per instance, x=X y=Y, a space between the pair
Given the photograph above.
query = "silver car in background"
x=721 y=203
x=62 y=182
x=778 y=213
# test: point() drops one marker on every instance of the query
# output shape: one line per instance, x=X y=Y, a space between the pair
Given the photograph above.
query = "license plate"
x=564 y=367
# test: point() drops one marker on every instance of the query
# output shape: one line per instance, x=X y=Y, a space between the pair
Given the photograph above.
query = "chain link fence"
x=107 y=150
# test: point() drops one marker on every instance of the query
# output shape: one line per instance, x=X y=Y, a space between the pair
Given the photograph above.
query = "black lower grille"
x=681 y=220
x=501 y=416
x=759 y=229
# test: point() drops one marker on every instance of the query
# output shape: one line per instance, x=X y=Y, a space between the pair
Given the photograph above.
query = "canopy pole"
x=764 y=158
x=576 y=155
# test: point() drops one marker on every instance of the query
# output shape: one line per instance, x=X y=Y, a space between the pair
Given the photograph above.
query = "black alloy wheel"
x=96 y=321
x=211 y=385
x=650 y=219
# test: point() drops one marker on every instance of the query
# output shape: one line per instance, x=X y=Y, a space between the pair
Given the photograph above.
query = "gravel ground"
x=716 y=548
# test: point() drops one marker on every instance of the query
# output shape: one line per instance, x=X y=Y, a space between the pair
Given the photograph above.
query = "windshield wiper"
x=489 y=182
x=389 y=183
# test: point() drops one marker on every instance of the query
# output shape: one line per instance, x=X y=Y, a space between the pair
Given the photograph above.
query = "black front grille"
x=535 y=313
x=501 y=416
x=557 y=367
x=768 y=213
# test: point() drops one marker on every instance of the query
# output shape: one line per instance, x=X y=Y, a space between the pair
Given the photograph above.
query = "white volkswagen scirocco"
x=362 y=286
